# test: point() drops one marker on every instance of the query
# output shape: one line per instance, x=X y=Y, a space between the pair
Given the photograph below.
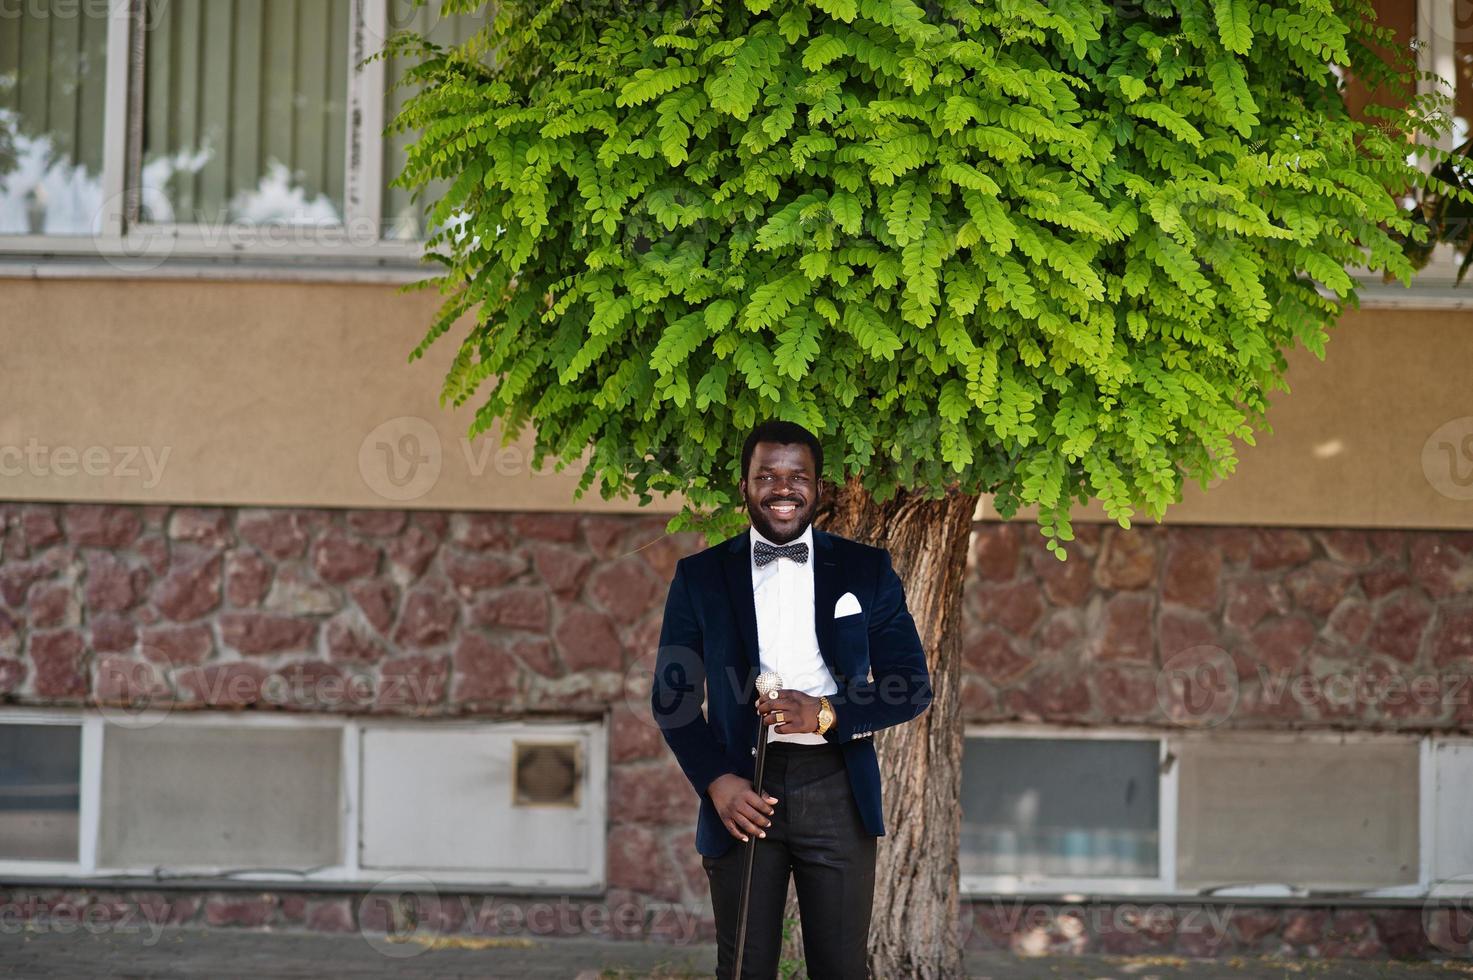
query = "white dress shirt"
x=787 y=642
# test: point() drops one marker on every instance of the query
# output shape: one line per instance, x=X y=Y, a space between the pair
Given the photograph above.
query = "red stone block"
x=1281 y=645
x=1050 y=697
x=427 y=620
x=994 y=657
x=1191 y=574
x=251 y=911
x=1014 y=606
x=316 y=686
x=484 y=671
x=120 y=679
x=412 y=683
x=1319 y=586
x=209 y=527
x=625 y=590
x=233 y=684
x=1439 y=568
x=604 y=533
x=53 y=605
x=995 y=548
x=413 y=550
x=12 y=674
x=109 y=584
x=548 y=526
x=1065 y=583
x=279 y=534
x=178 y=646
x=646 y=794
x=482 y=532
x=1127 y=559
x=1451 y=641
x=258 y=633
x=536 y=653
x=40 y=527
x=518 y=607
x=1125 y=693
x=377 y=523
x=1127 y=630
x=1401 y=621
x=1383 y=579
x=16 y=579
x=378 y=600
x=475 y=573
x=561 y=567
x=247 y=579
x=587 y=640
x=1346 y=545
x=339 y=558
x=56 y=659
x=101 y=525
x=112 y=634
x=1280 y=547
x=345 y=644
x=633 y=734
x=190 y=591
x=330 y=915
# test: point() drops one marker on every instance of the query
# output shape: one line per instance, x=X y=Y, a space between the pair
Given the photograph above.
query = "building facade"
x=279 y=646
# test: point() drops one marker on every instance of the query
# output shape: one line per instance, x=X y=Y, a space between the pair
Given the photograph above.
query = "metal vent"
x=546 y=774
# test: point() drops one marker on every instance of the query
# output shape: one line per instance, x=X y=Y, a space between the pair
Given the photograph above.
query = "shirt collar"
x=806 y=537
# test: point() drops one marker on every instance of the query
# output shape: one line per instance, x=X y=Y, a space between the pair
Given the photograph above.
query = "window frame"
x=1165 y=885
x=592 y=734
x=979 y=885
x=195 y=249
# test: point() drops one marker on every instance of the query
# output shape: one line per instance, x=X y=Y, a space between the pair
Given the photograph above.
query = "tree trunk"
x=913 y=932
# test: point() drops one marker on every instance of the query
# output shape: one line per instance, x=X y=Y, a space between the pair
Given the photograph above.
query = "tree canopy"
x=1050 y=251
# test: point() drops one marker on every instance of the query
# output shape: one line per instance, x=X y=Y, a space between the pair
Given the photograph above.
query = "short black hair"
x=784 y=434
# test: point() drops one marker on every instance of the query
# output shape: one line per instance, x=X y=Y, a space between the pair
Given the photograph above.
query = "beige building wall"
x=274 y=393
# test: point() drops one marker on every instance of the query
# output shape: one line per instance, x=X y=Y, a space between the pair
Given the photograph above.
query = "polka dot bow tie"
x=765 y=553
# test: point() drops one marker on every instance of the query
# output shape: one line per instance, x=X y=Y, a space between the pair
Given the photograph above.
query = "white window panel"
x=1059 y=811
x=1452 y=823
x=220 y=797
x=40 y=792
x=441 y=798
x=1298 y=812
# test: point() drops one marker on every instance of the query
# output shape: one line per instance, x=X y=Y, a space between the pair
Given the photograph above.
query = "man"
x=829 y=616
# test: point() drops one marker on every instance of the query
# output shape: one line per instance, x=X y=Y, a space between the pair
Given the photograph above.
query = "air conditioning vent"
x=546 y=774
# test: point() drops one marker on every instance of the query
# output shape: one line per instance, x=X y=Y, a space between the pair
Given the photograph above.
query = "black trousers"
x=817 y=836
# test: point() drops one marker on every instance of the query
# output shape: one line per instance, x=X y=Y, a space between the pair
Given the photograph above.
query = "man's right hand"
x=741 y=809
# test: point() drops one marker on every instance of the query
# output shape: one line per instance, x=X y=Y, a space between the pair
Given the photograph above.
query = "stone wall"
x=502 y=615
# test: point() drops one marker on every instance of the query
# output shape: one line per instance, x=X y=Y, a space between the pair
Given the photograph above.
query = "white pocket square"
x=847 y=605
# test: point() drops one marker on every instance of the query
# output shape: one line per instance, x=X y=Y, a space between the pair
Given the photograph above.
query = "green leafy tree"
x=1044 y=251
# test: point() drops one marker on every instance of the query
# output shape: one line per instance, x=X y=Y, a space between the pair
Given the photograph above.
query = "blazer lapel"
x=826 y=591
x=737 y=564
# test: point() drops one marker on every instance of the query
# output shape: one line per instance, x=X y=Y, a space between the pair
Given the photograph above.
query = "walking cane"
x=768 y=683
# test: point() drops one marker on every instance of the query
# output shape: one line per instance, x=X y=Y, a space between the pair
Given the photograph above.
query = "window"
x=403 y=218
x=1040 y=810
x=220 y=797
x=53 y=59
x=301 y=798
x=40 y=798
x=1053 y=811
x=1298 y=813
x=523 y=783
x=244 y=110
x=220 y=131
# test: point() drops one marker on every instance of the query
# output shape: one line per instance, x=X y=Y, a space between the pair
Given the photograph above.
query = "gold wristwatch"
x=825 y=715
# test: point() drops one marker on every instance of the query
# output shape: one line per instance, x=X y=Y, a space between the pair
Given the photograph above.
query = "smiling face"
x=781 y=490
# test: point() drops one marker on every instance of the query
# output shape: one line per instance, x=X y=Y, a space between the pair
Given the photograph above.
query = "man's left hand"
x=799 y=711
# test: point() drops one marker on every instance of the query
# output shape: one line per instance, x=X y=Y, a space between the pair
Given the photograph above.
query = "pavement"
x=35 y=953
